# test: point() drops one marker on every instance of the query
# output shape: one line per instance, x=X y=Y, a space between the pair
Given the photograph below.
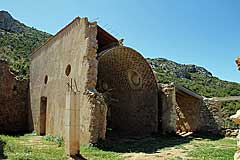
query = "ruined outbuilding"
x=182 y=111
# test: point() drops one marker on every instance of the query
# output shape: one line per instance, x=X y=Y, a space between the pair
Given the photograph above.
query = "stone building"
x=13 y=102
x=83 y=81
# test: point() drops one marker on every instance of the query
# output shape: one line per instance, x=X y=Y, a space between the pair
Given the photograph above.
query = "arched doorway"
x=130 y=90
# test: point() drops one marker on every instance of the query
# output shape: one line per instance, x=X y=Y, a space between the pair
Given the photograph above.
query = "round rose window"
x=135 y=79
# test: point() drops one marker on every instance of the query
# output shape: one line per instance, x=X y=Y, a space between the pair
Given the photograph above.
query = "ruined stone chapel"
x=83 y=80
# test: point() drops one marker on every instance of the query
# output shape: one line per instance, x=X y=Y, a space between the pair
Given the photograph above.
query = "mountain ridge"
x=196 y=78
x=17 y=41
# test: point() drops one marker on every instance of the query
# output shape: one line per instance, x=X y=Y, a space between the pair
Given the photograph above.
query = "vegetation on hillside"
x=201 y=81
x=230 y=108
x=194 y=78
x=17 y=41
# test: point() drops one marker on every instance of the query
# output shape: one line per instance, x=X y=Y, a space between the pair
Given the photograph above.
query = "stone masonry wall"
x=211 y=116
x=183 y=112
x=132 y=91
x=188 y=112
x=13 y=102
x=168 y=108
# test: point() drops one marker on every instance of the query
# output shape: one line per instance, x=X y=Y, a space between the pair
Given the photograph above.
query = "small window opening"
x=68 y=70
x=46 y=79
x=135 y=79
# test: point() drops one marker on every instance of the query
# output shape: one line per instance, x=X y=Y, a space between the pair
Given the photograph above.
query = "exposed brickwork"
x=13 y=102
x=133 y=109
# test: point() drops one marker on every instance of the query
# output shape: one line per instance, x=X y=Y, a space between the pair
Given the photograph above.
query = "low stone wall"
x=211 y=116
x=13 y=102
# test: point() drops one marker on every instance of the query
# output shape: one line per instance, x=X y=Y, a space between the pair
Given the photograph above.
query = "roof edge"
x=188 y=91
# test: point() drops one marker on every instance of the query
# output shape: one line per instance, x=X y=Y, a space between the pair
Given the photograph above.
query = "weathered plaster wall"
x=13 y=102
x=131 y=89
x=75 y=45
x=188 y=112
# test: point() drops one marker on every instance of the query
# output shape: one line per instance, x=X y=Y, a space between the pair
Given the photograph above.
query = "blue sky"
x=201 y=32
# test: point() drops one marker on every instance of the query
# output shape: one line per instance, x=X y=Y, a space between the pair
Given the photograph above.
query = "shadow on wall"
x=149 y=144
x=2 y=144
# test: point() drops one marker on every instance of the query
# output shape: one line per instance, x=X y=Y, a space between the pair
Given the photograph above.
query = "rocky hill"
x=193 y=77
x=16 y=43
x=18 y=40
x=200 y=80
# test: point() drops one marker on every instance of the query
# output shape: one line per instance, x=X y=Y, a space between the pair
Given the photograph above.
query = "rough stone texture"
x=180 y=109
x=211 y=116
x=168 y=108
x=184 y=111
x=13 y=102
x=98 y=116
x=188 y=112
x=127 y=79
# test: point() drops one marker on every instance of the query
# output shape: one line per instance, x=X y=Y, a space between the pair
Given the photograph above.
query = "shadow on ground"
x=78 y=157
x=149 y=144
x=2 y=144
x=14 y=134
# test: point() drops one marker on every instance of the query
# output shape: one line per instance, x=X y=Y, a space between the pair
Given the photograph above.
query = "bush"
x=56 y=139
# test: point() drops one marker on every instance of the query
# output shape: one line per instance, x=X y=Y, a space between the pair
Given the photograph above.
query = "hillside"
x=196 y=78
x=199 y=80
x=18 y=40
x=16 y=43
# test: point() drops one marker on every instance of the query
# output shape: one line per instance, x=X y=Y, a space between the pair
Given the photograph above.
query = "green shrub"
x=56 y=139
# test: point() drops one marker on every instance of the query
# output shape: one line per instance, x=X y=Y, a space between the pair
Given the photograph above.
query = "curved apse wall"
x=130 y=90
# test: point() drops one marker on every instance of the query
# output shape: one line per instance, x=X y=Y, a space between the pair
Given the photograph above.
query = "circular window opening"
x=46 y=79
x=68 y=70
x=135 y=79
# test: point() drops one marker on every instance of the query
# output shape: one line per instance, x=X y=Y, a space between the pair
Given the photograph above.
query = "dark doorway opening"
x=43 y=109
